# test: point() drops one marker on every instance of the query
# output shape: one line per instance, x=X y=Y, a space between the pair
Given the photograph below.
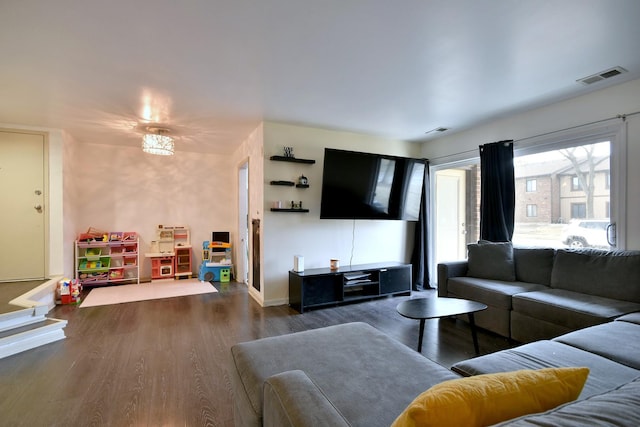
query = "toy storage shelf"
x=108 y=262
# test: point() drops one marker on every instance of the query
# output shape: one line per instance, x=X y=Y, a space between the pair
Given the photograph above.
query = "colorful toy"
x=68 y=291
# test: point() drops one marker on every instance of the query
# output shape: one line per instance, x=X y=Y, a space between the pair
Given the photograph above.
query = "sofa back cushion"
x=489 y=260
x=534 y=265
x=609 y=274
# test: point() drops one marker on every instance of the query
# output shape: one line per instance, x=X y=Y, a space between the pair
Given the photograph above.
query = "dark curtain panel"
x=497 y=191
x=419 y=257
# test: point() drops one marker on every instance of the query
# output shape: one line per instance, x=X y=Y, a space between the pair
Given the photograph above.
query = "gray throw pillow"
x=491 y=261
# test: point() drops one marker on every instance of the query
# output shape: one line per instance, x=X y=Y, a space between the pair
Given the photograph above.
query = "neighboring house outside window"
x=532 y=211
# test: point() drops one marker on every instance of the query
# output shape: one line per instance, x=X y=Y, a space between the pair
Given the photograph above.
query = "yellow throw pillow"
x=488 y=399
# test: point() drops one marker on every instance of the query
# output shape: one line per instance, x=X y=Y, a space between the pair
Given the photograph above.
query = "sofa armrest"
x=447 y=270
x=292 y=399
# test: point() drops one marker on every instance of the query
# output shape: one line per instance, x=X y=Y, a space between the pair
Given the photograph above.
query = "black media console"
x=322 y=286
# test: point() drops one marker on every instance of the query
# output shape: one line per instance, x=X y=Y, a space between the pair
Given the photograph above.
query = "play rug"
x=146 y=291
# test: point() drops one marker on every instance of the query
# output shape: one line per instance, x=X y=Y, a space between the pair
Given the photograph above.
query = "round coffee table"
x=437 y=307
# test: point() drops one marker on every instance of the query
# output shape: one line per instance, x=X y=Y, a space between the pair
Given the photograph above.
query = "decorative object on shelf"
x=302 y=180
x=288 y=152
x=295 y=205
x=334 y=263
x=277 y=204
x=156 y=141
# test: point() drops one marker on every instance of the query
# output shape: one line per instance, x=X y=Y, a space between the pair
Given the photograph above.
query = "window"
x=575 y=184
x=531 y=185
x=578 y=210
x=546 y=211
x=570 y=181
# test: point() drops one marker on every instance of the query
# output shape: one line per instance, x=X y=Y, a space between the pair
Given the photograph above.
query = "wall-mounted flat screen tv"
x=370 y=186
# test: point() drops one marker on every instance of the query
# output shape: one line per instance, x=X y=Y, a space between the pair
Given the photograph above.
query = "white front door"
x=450 y=215
x=22 y=217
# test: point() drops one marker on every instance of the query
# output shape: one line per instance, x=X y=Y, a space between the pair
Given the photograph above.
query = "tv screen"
x=370 y=186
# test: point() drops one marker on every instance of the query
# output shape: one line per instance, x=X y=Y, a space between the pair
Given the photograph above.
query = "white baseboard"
x=24 y=341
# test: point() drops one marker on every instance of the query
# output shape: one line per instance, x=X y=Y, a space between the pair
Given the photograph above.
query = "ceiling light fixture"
x=156 y=141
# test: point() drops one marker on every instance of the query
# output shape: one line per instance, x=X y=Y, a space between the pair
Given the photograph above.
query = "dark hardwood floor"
x=166 y=362
x=11 y=290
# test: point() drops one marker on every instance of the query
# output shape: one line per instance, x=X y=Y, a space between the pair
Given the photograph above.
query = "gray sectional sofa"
x=570 y=308
x=354 y=375
x=535 y=293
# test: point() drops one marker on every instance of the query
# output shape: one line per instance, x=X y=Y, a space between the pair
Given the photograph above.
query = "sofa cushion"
x=618 y=341
x=604 y=374
x=489 y=260
x=631 y=318
x=534 y=265
x=609 y=274
x=488 y=399
x=339 y=359
x=571 y=309
x=619 y=407
x=495 y=293
x=291 y=398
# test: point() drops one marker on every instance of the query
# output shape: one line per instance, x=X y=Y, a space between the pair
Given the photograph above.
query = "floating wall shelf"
x=285 y=183
x=289 y=210
x=292 y=159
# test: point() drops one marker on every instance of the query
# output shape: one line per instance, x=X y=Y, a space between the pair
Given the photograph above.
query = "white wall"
x=599 y=105
x=120 y=188
x=289 y=234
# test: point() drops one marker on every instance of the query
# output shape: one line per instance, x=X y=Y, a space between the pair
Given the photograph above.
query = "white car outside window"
x=582 y=233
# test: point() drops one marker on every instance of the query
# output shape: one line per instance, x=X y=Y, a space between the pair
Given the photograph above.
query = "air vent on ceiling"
x=440 y=129
x=612 y=72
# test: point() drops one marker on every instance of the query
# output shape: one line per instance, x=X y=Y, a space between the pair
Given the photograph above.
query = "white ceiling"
x=213 y=69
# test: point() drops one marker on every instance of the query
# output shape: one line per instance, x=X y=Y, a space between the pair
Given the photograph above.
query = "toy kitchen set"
x=170 y=253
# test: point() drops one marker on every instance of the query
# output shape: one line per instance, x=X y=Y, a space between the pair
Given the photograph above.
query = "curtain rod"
x=623 y=117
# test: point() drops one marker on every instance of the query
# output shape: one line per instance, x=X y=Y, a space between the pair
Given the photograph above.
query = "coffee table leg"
x=474 y=335
x=420 y=336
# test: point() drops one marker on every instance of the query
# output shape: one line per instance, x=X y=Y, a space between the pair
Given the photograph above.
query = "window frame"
x=613 y=130
x=575 y=184
x=533 y=188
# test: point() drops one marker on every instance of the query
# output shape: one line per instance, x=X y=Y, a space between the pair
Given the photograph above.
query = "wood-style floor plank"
x=166 y=362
